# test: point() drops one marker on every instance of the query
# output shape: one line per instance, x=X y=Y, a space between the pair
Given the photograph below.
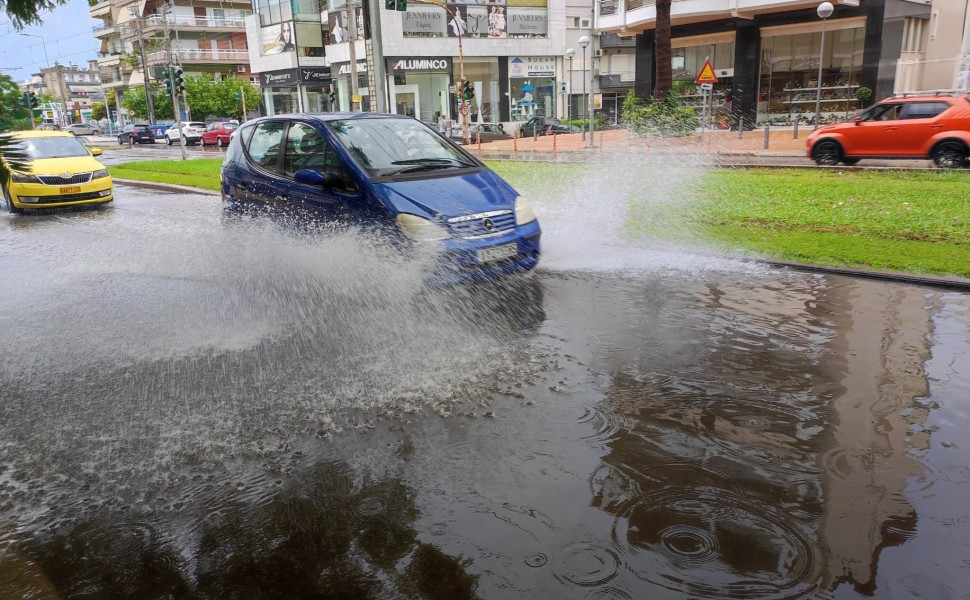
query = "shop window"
x=309 y=39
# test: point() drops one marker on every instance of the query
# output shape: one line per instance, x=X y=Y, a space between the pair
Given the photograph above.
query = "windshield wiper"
x=433 y=161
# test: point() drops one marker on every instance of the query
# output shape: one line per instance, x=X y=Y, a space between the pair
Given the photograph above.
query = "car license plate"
x=497 y=252
x=71 y=190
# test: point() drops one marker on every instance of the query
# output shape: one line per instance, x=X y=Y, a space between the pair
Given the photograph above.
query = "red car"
x=218 y=133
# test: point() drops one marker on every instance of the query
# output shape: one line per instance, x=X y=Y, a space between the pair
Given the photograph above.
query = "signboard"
x=464 y=109
x=532 y=66
x=356 y=99
x=707 y=86
x=425 y=21
x=315 y=75
x=707 y=74
x=343 y=68
x=276 y=39
x=284 y=78
x=598 y=101
x=439 y=64
x=528 y=22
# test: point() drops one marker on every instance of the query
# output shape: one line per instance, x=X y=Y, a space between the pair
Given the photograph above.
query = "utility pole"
x=592 y=64
x=144 y=66
x=376 y=75
x=352 y=25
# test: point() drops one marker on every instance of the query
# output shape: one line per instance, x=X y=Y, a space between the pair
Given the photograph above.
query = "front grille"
x=68 y=198
x=70 y=180
x=482 y=224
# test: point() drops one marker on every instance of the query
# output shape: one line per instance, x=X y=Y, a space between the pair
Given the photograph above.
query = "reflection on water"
x=219 y=427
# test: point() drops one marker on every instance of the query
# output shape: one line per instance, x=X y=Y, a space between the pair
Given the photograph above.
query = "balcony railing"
x=635 y=4
x=208 y=55
x=623 y=79
x=612 y=40
x=609 y=7
x=187 y=22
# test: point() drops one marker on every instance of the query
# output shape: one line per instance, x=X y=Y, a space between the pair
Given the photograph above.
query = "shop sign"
x=284 y=78
x=315 y=75
x=427 y=20
x=528 y=21
x=532 y=66
x=343 y=69
x=426 y=65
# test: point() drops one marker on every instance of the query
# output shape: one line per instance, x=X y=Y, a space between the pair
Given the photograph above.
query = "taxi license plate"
x=497 y=252
x=70 y=190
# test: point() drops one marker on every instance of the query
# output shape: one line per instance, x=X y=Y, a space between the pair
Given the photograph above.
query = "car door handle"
x=936 y=127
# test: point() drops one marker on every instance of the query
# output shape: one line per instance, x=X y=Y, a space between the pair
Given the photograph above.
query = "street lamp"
x=584 y=41
x=824 y=11
x=570 y=53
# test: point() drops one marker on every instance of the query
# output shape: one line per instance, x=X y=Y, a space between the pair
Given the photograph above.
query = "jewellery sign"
x=425 y=21
x=532 y=66
x=284 y=78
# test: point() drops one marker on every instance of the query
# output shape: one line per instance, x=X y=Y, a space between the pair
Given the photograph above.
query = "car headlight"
x=523 y=212
x=99 y=174
x=421 y=229
x=23 y=178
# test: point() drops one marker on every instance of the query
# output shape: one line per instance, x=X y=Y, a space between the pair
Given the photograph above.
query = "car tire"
x=219 y=143
x=13 y=209
x=827 y=153
x=202 y=142
x=847 y=161
x=168 y=140
x=121 y=142
x=950 y=154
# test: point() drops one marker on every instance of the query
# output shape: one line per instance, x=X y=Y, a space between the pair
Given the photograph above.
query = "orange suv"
x=935 y=127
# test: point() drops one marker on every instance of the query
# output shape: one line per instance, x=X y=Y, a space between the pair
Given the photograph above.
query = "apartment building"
x=201 y=37
x=72 y=88
x=767 y=53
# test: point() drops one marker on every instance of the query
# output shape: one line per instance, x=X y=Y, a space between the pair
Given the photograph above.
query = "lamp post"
x=824 y=11
x=47 y=63
x=570 y=53
x=584 y=41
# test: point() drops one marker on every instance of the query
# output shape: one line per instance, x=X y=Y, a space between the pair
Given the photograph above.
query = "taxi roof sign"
x=707 y=74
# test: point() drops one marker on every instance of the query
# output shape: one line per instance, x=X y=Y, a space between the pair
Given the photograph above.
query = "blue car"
x=387 y=172
x=159 y=131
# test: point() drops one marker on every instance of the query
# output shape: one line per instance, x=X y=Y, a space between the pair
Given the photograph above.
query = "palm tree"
x=12 y=156
x=665 y=77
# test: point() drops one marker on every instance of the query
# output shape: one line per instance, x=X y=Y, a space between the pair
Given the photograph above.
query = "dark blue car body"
x=473 y=205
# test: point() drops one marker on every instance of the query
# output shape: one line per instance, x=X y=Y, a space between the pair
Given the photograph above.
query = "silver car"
x=191 y=130
x=78 y=129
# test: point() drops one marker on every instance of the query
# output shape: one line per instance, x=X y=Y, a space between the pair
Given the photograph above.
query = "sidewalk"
x=781 y=142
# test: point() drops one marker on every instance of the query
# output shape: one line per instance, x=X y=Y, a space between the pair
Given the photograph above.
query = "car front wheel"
x=950 y=155
x=13 y=209
x=168 y=140
x=827 y=153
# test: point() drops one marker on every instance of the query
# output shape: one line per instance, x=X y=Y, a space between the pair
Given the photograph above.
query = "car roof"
x=925 y=98
x=40 y=133
x=330 y=116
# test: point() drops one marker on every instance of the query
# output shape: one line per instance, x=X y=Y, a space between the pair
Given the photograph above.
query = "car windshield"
x=392 y=146
x=196 y=125
x=54 y=147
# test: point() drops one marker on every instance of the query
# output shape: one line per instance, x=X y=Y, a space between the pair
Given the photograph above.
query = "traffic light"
x=402 y=5
x=24 y=100
x=179 y=82
x=167 y=76
x=390 y=4
x=238 y=96
x=32 y=99
x=467 y=91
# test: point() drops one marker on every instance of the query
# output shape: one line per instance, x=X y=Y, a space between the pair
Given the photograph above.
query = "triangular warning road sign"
x=707 y=74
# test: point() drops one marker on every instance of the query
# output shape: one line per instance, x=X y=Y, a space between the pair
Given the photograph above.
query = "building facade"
x=72 y=89
x=767 y=54
x=201 y=38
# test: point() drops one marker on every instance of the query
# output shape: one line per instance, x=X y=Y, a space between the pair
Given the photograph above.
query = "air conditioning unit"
x=241 y=68
x=598 y=52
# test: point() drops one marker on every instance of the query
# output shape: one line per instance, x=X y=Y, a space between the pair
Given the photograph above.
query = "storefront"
x=316 y=86
x=280 y=91
x=532 y=87
x=418 y=86
x=344 y=98
x=688 y=55
x=483 y=72
x=788 y=79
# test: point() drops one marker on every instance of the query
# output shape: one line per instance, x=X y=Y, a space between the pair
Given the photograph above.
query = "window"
x=922 y=110
x=883 y=112
x=305 y=149
x=264 y=147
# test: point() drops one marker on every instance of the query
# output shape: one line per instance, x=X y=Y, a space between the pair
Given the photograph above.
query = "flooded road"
x=197 y=411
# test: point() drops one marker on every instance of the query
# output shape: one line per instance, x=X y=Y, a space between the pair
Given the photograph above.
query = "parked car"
x=61 y=171
x=79 y=129
x=545 y=126
x=218 y=133
x=934 y=127
x=48 y=126
x=392 y=174
x=159 y=131
x=138 y=134
x=191 y=130
x=486 y=131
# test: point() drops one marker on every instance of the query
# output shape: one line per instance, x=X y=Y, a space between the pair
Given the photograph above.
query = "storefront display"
x=483 y=72
x=532 y=87
x=688 y=55
x=789 y=84
x=419 y=86
x=344 y=98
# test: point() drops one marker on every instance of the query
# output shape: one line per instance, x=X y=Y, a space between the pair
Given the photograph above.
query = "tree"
x=134 y=101
x=218 y=98
x=27 y=12
x=98 y=111
x=662 y=52
x=12 y=114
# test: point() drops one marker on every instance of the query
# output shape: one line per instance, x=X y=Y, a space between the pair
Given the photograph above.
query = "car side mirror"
x=311 y=177
x=857 y=120
x=95 y=151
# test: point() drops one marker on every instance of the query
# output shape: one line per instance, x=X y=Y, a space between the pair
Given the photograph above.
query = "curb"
x=165 y=187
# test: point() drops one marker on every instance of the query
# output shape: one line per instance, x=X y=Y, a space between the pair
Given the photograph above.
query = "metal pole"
x=352 y=25
x=585 y=99
x=821 y=59
x=461 y=74
x=242 y=96
x=592 y=61
x=569 y=91
x=144 y=68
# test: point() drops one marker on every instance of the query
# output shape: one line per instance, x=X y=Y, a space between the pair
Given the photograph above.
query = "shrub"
x=663 y=117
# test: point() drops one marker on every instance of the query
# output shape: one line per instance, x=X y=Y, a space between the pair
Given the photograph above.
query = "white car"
x=192 y=130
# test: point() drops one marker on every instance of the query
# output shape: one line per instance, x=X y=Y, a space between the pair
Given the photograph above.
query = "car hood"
x=57 y=166
x=449 y=196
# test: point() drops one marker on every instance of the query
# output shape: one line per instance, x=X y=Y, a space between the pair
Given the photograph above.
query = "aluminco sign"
x=420 y=65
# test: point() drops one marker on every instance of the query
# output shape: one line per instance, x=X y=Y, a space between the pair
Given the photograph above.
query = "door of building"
x=406 y=100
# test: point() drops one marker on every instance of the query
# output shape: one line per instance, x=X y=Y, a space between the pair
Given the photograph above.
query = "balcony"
x=612 y=40
x=100 y=9
x=623 y=79
x=188 y=24
x=103 y=31
x=199 y=56
x=109 y=59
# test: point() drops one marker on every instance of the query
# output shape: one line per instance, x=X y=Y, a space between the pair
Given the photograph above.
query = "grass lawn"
x=915 y=222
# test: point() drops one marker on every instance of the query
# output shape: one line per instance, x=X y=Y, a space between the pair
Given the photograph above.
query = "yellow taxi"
x=60 y=171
